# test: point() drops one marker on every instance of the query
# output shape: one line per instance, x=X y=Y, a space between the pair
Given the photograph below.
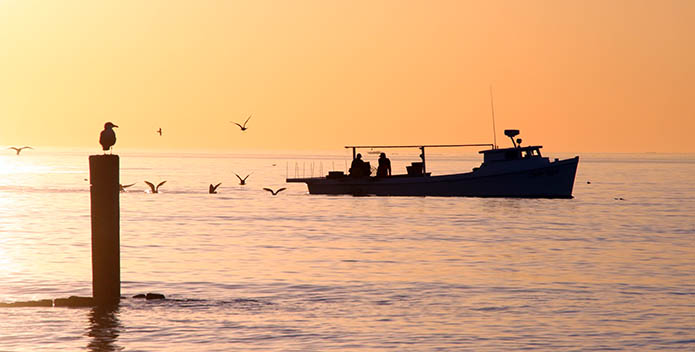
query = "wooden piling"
x=105 y=211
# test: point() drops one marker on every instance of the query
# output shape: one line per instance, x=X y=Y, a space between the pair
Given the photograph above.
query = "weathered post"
x=105 y=210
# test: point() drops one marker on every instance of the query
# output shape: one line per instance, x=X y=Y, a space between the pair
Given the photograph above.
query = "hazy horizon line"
x=97 y=150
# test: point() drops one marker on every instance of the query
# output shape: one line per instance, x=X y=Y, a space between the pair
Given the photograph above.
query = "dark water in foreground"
x=248 y=271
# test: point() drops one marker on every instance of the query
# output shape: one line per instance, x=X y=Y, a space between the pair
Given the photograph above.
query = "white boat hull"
x=554 y=180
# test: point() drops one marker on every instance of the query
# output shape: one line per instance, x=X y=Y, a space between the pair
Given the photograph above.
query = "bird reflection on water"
x=104 y=329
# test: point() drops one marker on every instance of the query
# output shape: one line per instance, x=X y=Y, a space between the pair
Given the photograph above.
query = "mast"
x=492 y=107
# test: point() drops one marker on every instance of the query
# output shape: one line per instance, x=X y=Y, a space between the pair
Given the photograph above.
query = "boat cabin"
x=508 y=154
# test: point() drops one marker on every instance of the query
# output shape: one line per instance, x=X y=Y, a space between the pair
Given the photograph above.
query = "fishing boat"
x=519 y=171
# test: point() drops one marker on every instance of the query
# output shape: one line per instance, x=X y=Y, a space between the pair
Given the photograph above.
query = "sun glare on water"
x=19 y=165
x=21 y=171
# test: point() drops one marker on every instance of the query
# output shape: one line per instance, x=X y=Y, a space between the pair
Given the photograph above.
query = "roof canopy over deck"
x=421 y=147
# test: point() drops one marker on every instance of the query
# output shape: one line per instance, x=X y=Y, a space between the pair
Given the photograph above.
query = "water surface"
x=611 y=269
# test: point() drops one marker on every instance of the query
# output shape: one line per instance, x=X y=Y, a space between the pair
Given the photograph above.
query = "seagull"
x=19 y=149
x=159 y=131
x=275 y=193
x=242 y=181
x=153 y=188
x=107 y=138
x=243 y=127
x=123 y=187
x=213 y=188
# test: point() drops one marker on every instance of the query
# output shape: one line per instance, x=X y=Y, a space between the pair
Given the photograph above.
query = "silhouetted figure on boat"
x=359 y=168
x=384 y=168
x=107 y=138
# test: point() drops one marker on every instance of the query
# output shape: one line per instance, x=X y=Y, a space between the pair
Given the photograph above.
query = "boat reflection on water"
x=505 y=172
x=104 y=329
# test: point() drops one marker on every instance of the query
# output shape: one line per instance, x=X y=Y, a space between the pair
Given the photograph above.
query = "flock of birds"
x=107 y=139
x=212 y=189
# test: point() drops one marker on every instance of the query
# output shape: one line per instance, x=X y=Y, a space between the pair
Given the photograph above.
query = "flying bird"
x=19 y=149
x=213 y=188
x=275 y=193
x=153 y=188
x=159 y=131
x=123 y=187
x=242 y=181
x=107 y=138
x=243 y=127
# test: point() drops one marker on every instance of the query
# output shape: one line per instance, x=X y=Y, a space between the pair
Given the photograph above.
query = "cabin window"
x=531 y=153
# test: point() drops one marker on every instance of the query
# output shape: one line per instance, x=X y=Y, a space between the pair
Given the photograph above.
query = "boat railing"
x=307 y=169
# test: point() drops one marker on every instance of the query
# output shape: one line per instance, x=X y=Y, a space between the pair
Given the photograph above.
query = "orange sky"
x=575 y=76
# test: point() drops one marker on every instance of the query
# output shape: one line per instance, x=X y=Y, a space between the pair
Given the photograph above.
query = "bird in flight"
x=275 y=193
x=107 y=138
x=153 y=188
x=213 y=188
x=159 y=131
x=243 y=127
x=242 y=181
x=19 y=149
x=122 y=188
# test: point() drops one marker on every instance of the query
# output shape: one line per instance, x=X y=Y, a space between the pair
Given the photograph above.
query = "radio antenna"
x=492 y=107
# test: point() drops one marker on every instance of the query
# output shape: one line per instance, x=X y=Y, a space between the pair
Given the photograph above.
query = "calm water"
x=248 y=271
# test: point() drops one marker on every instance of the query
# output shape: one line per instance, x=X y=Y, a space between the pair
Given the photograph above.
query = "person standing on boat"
x=357 y=168
x=384 y=168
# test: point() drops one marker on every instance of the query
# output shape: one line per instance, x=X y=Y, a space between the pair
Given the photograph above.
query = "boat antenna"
x=492 y=107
